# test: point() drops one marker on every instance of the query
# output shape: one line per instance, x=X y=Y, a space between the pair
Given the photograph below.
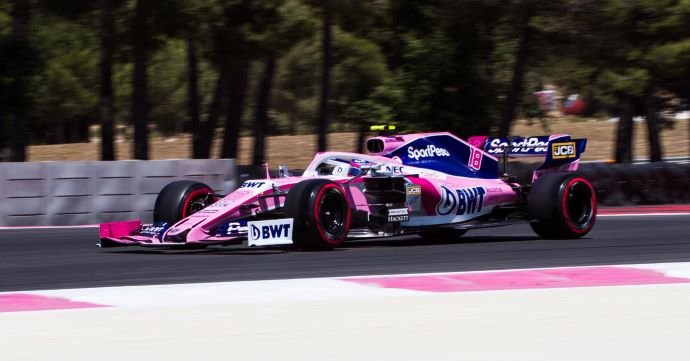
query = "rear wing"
x=560 y=152
x=559 y=146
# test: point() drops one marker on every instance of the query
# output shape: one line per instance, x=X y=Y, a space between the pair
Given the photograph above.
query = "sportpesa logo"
x=428 y=152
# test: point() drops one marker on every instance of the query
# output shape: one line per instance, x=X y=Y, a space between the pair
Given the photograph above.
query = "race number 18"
x=475 y=159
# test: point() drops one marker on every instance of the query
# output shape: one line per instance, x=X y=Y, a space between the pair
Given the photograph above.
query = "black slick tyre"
x=180 y=199
x=562 y=206
x=320 y=212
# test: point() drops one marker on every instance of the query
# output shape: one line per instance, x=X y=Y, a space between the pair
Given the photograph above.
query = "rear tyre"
x=320 y=212
x=181 y=199
x=562 y=206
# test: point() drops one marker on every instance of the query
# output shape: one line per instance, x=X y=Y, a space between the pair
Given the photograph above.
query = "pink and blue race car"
x=432 y=184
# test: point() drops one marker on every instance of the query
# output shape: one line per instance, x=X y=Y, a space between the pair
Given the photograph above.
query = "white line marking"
x=282 y=290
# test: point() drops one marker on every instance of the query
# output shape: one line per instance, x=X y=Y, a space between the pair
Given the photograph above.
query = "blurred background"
x=279 y=80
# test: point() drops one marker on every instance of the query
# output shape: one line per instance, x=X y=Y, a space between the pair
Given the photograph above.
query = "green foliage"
x=445 y=67
x=66 y=88
x=426 y=65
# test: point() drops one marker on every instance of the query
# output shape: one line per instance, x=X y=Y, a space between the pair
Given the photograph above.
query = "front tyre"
x=180 y=199
x=562 y=206
x=320 y=213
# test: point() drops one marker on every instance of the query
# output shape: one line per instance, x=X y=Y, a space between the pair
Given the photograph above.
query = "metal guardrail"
x=629 y=184
x=636 y=184
x=90 y=192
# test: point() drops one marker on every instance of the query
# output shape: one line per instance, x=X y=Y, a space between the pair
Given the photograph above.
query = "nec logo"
x=397 y=169
x=276 y=231
x=563 y=150
x=250 y=184
x=428 y=152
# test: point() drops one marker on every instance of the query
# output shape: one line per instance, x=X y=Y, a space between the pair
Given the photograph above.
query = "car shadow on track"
x=407 y=241
x=206 y=251
x=414 y=241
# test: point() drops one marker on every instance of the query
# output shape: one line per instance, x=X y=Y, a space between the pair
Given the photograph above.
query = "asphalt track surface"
x=39 y=259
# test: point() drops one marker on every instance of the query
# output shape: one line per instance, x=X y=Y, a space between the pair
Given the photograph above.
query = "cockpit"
x=342 y=165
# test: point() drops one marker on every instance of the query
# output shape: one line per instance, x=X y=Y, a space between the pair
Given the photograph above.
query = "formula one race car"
x=433 y=184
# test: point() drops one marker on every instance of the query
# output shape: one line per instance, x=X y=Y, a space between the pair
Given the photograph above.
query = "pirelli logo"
x=563 y=150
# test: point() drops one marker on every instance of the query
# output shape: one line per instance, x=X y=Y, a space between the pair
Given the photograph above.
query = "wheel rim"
x=579 y=205
x=332 y=211
x=196 y=201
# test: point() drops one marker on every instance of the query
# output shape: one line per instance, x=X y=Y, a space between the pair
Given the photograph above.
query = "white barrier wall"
x=90 y=192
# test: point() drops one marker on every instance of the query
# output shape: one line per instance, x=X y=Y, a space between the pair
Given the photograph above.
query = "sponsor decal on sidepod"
x=461 y=201
x=428 y=152
x=414 y=190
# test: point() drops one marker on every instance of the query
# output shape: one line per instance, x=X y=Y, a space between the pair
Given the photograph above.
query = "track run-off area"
x=495 y=294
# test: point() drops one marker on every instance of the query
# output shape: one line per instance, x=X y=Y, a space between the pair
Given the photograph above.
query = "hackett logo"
x=428 y=152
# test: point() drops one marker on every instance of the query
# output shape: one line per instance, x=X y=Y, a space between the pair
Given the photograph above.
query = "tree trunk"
x=655 y=153
x=262 y=103
x=140 y=106
x=325 y=76
x=361 y=135
x=236 y=94
x=107 y=141
x=625 y=131
x=20 y=22
x=193 y=97
x=515 y=89
x=215 y=108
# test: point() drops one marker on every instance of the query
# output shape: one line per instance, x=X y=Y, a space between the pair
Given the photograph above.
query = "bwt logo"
x=461 y=201
x=270 y=231
x=470 y=200
x=250 y=184
x=448 y=202
x=428 y=152
x=563 y=150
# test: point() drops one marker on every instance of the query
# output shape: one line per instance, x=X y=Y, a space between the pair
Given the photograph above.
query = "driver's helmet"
x=354 y=171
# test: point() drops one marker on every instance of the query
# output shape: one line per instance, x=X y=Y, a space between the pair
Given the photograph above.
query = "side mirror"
x=283 y=171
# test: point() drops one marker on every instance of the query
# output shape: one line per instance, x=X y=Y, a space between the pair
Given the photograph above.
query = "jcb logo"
x=563 y=150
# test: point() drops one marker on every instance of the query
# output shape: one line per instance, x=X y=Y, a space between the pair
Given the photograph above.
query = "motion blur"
x=121 y=73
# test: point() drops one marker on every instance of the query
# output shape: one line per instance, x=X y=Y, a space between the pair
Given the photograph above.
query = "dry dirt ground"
x=296 y=151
